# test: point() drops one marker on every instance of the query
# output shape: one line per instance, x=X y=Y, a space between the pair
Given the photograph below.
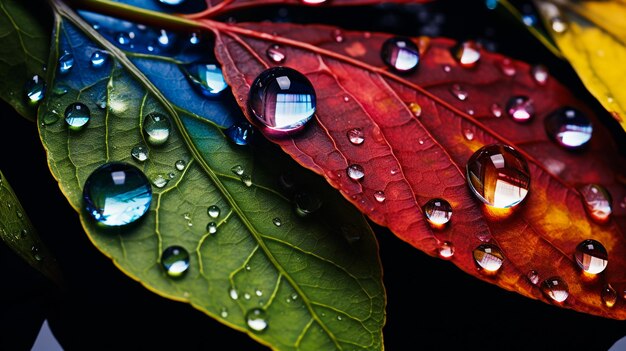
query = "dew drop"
x=171 y=2
x=277 y=221
x=520 y=108
x=98 y=58
x=194 y=39
x=256 y=319
x=172 y=175
x=458 y=92
x=609 y=296
x=379 y=196
x=116 y=194
x=346 y=98
x=164 y=39
x=240 y=133
x=233 y=293
x=276 y=54
x=77 y=115
x=558 y=24
x=468 y=134
x=246 y=179
x=124 y=38
x=283 y=100
x=555 y=288
x=211 y=228
x=206 y=78
x=416 y=109
x=237 y=169
x=213 y=211
x=496 y=110
x=446 y=250
x=258 y=292
x=488 y=257
x=438 y=212
x=355 y=172
x=180 y=165
x=339 y=318
x=66 y=62
x=467 y=54
x=156 y=128
x=175 y=261
x=447 y=68
x=540 y=74
x=224 y=312
x=507 y=67
x=591 y=256
x=597 y=201
x=36 y=254
x=569 y=127
x=401 y=54
x=159 y=181
x=306 y=203
x=35 y=89
x=139 y=153
x=338 y=36
x=533 y=276
x=356 y=136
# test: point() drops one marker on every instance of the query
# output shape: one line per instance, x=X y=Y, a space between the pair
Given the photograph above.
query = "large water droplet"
x=569 y=127
x=467 y=54
x=282 y=100
x=355 y=172
x=597 y=201
x=540 y=74
x=240 y=133
x=66 y=62
x=591 y=256
x=555 y=288
x=98 y=58
x=276 y=54
x=520 y=108
x=306 y=203
x=498 y=175
x=609 y=296
x=256 y=319
x=233 y=293
x=116 y=194
x=438 y=212
x=400 y=53
x=458 y=92
x=139 y=153
x=446 y=250
x=35 y=89
x=175 y=261
x=488 y=257
x=356 y=136
x=207 y=78
x=211 y=228
x=77 y=115
x=156 y=128
x=213 y=211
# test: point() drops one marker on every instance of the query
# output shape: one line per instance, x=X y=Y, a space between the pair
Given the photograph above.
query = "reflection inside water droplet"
x=540 y=74
x=256 y=319
x=213 y=211
x=35 y=89
x=139 y=153
x=488 y=257
x=156 y=128
x=98 y=58
x=379 y=196
x=240 y=133
x=175 y=261
x=66 y=62
x=533 y=276
x=400 y=53
x=458 y=92
x=609 y=296
x=467 y=54
x=211 y=228
x=355 y=172
x=180 y=165
x=591 y=256
x=276 y=54
x=207 y=78
x=306 y=203
x=569 y=127
x=555 y=288
x=446 y=250
x=597 y=201
x=438 y=212
x=77 y=115
x=356 y=136
x=520 y=108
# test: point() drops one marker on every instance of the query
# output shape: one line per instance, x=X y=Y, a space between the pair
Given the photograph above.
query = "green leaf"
x=317 y=277
x=25 y=33
x=17 y=231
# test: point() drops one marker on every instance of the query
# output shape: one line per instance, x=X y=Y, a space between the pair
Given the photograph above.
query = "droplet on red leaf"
x=591 y=256
x=520 y=108
x=458 y=92
x=438 y=212
x=609 y=296
x=555 y=288
x=569 y=127
x=355 y=172
x=488 y=257
x=446 y=250
x=597 y=201
x=540 y=74
x=275 y=54
x=356 y=136
x=401 y=54
x=467 y=53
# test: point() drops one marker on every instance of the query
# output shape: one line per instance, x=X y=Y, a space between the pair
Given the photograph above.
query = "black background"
x=432 y=305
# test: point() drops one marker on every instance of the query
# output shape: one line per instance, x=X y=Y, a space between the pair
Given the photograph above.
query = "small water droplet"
x=246 y=179
x=240 y=133
x=171 y=2
x=400 y=53
x=276 y=54
x=416 y=109
x=258 y=292
x=306 y=203
x=609 y=296
x=379 y=196
x=355 y=172
x=356 y=136
x=224 y=312
x=446 y=250
x=233 y=293
x=156 y=128
x=175 y=261
x=256 y=319
x=66 y=62
x=124 y=38
x=468 y=134
x=467 y=53
x=213 y=211
x=346 y=98
x=591 y=256
x=194 y=38
x=277 y=221
x=488 y=257
x=470 y=111
x=507 y=67
x=597 y=201
x=164 y=39
x=438 y=212
x=283 y=100
x=555 y=288
x=498 y=175
x=540 y=74
x=237 y=169
x=246 y=296
x=558 y=24
x=139 y=153
x=211 y=228
x=569 y=127
x=339 y=318
x=160 y=181
x=117 y=194
x=394 y=171
x=294 y=296
x=206 y=78
x=520 y=108
x=446 y=68
x=19 y=214
x=458 y=92
x=533 y=276
x=420 y=141
x=77 y=115
x=98 y=58
x=187 y=216
x=172 y=175
x=313 y=2
x=496 y=110
x=180 y=165
x=338 y=36
x=248 y=268
x=35 y=89
x=36 y=255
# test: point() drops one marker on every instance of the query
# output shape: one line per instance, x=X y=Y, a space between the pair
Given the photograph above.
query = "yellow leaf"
x=592 y=37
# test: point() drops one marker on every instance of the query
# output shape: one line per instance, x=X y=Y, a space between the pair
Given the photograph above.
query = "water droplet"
x=213 y=211
x=313 y=2
x=139 y=153
x=540 y=74
x=77 y=115
x=470 y=112
x=468 y=134
x=533 y=276
x=591 y=256
x=19 y=214
x=156 y=128
x=458 y=92
x=558 y=24
x=338 y=36
x=35 y=89
x=438 y=212
x=569 y=127
x=159 y=181
x=124 y=38
x=36 y=255
x=50 y=117
x=488 y=257
x=609 y=296
x=520 y=108
x=306 y=203
x=276 y=54
x=180 y=165
x=555 y=288
x=66 y=62
x=98 y=58
x=346 y=98
x=283 y=100
x=416 y=109
x=233 y=293
x=258 y=292
x=164 y=38
x=446 y=250
x=498 y=175
x=238 y=170
x=256 y=319
x=496 y=110
x=187 y=216
x=400 y=53
x=356 y=136
x=420 y=141
x=248 y=268
x=467 y=53
x=246 y=179
x=175 y=261
x=117 y=194
x=194 y=39
x=339 y=318
x=446 y=68
x=171 y=2
x=246 y=296
x=507 y=67
x=355 y=172
x=206 y=78
x=211 y=228
x=277 y=221
x=379 y=196
x=240 y=133
x=597 y=201
x=172 y=175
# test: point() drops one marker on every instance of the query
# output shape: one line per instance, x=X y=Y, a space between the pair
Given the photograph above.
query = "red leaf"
x=414 y=159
